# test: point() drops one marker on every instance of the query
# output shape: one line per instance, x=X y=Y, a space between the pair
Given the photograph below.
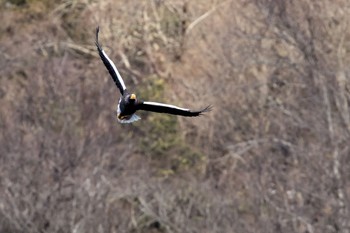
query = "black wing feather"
x=171 y=109
x=110 y=66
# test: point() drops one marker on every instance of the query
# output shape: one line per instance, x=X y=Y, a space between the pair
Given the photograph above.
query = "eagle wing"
x=170 y=109
x=112 y=69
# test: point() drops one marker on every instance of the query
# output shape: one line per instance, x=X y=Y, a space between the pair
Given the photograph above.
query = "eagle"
x=128 y=103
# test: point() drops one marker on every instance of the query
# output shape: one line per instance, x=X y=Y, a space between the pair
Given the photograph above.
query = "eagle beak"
x=133 y=97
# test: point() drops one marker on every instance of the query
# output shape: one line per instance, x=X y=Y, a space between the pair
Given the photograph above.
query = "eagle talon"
x=121 y=117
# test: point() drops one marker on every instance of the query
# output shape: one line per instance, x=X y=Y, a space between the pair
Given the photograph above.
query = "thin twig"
x=204 y=16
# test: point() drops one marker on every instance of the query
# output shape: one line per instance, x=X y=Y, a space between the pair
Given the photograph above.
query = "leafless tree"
x=271 y=157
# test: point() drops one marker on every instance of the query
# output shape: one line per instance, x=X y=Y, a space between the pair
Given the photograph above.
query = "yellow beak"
x=133 y=97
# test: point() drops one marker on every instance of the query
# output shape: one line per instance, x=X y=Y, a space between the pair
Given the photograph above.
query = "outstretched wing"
x=112 y=69
x=170 y=109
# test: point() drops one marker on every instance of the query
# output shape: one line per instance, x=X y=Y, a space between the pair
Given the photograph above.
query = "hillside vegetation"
x=272 y=156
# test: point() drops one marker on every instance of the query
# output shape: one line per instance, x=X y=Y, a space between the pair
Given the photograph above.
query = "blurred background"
x=272 y=156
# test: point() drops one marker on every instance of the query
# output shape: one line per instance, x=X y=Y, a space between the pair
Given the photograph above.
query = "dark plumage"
x=129 y=104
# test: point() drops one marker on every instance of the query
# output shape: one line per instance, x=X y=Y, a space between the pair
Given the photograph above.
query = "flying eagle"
x=129 y=104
